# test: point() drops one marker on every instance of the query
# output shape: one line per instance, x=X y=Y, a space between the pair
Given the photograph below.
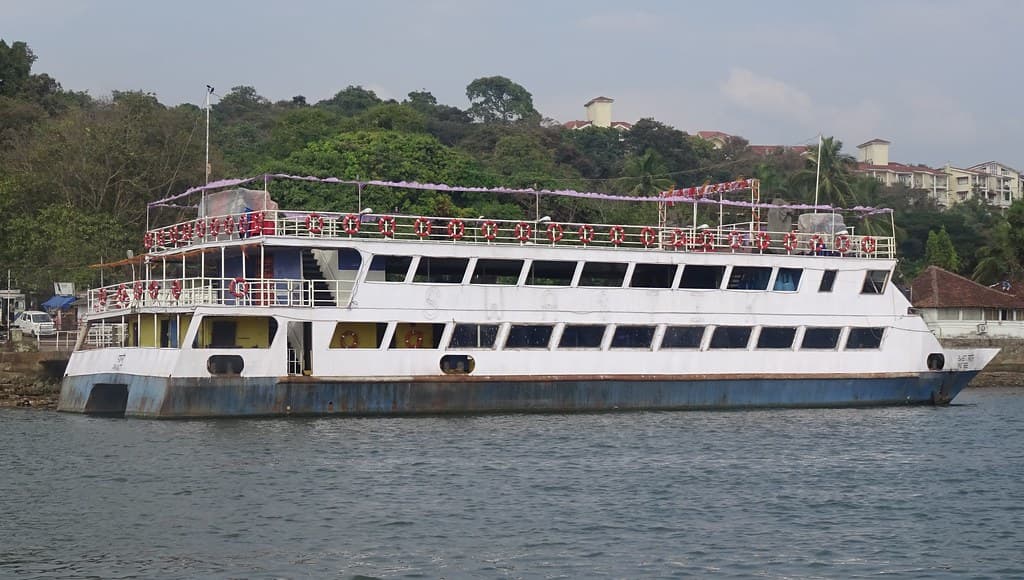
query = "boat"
x=246 y=309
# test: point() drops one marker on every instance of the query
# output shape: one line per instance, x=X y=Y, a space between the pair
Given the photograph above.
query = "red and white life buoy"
x=349 y=339
x=200 y=229
x=817 y=243
x=237 y=287
x=147 y=240
x=706 y=240
x=413 y=339
x=138 y=290
x=762 y=240
x=523 y=231
x=229 y=225
x=214 y=227
x=735 y=239
x=386 y=226
x=843 y=244
x=101 y=298
x=678 y=238
x=176 y=289
x=421 y=227
x=122 y=295
x=456 y=229
x=350 y=224
x=789 y=241
x=489 y=230
x=154 y=289
x=586 y=233
x=186 y=232
x=314 y=223
x=868 y=245
x=648 y=236
x=555 y=233
x=616 y=235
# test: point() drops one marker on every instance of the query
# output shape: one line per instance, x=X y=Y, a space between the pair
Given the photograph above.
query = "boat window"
x=457 y=364
x=416 y=335
x=874 y=282
x=388 y=268
x=550 y=273
x=225 y=364
x=828 y=278
x=702 y=277
x=235 y=332
x=730 y=337
x=607 y=274
x=776 y=337
x=865 y=338
x=749 y=278
x=358 y=334
x=529 y=336
x=581 y=336
x=632 y=337
x=474 y=336
x=823 y=338
x=505 y=272
x=653 y=276
x=787 y=280
x=441 y=270
x=683 y=337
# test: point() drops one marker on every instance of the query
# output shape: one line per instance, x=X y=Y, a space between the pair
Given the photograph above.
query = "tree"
x=940 y=251
x=351 y=101
x=997 y=259
x=834 y=181
x=645 y=175
x=242 y=102
x=672 y=146
x=16 y=62
x=601 y=148
x=499 y=100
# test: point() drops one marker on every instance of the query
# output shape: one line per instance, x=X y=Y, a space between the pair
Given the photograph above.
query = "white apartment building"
x=873 y=160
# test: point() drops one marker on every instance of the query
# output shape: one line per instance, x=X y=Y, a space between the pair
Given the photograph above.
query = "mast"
x=817 y=176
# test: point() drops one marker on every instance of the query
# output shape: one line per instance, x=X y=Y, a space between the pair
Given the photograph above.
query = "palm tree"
x=645 y=174
x=997 y=260
x=835 y=176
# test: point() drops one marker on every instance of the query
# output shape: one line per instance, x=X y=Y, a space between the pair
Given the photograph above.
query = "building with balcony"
x=998 y=184
x=873 y=160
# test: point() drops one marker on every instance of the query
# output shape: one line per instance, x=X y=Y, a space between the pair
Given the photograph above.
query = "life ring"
x=346 y=343
x=174 y=234
x=185 y=233
x=456 y=229
x=413 y=339
x=314 y=223
x=648 y=236
x=489 y=230
x=200 y=229
x=256 y=224
x=421 y=227
x=147 y=240
x=762 y=240
x=101 y=297
x=229 y=225
x=586 y=233
x=843 y=243
x=122 y=295
x=350 y=224
x=176 y=289
x=735 y=239
x=523 y=231
x=237 y=287
x=817 y=243
x=386 y=226
x=789 y=241
x=154 y=289
x=868 y=244
x=617 y=235
x=214 y=227
x=678 y=238
x=707 y=240
x=555 y=233
x=138 y=290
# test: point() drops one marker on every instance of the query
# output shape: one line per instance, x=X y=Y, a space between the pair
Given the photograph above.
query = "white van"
x=35 y=323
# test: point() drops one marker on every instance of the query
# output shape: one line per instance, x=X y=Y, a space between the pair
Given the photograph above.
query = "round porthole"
x=457 y=364
x=936 y=361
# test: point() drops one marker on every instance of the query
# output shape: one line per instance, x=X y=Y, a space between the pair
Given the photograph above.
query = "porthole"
x=936 y=361
x=225 y=364
x=457 y=364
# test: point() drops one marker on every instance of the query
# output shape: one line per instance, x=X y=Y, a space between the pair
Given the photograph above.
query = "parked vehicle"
x=35 y=323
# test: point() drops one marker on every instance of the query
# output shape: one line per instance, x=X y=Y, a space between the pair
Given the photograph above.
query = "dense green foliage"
x=76 y=172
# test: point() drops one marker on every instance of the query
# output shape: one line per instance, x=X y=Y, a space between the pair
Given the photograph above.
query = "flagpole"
x=817 y=177
x=202 y=198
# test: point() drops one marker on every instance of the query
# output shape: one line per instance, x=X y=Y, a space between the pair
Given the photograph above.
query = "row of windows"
x=604 y=274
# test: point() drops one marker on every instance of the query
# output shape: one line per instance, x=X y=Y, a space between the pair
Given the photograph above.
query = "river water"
x=899 y=492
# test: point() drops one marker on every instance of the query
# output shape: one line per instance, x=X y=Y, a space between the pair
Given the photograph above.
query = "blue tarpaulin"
x=59 y=302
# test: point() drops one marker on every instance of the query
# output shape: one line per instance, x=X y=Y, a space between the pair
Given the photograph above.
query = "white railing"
x=189 y=292
x=340 y=226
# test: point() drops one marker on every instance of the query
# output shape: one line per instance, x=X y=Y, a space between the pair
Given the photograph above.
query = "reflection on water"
x=920 y=492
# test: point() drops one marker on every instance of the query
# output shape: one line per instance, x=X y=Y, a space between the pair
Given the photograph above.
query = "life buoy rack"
x=314 y=223
x=489 y=230
x=413 y=339
x=555 y=232
x=154 y=289
x=706 y=240
x=349 y=339
x=868 y=244
x=386 y=226
x=617 y=235
x=421 y=227
x=237 y=287
x=762 y=240
x=176 y=289
x=678 y=238
x=350 y=224
x=789 y=241
x=843 y=243
x=122 y=295
x=648 y=236
x=138 y=290
x=456 y=229
x=735 y=239
x=817 y=243
x=523 y=231
x=586 y=233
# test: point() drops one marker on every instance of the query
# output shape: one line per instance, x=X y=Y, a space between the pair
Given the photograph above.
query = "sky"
x=938 y=79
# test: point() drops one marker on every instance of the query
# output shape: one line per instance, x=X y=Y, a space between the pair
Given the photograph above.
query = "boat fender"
x=237 y=288
x=523 y=231
x=154 y=289
x=386 y=226
x=735 y=239
x=314 y=223
x=868 y=244
x=421 y=227
x=138 y=290
x=586 y=233
x=349 y=339
x=707 y=240
x=176 y=289
x=763 y=240
x=555 y=232
x=842 y=243
x=413 y=339
x=789 y=241
x=456 y=229
x=489 y=230
x=350 y=224
x=648 y=236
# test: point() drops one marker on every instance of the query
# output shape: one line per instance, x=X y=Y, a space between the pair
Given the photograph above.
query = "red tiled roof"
x=899 y=168
x=938 y=288
x=713 y=134
x=576 y=124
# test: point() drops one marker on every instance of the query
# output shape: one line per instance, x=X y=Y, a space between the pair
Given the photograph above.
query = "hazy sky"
x=937 y=78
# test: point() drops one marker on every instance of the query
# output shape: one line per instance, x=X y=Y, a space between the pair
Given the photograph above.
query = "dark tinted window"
x=776 y=337
x=389 y=268
x=441 y=270
x=602 y=274
x=826 y=338
x=551 y=273
x=581 y=336
x=749 y=278
x=496 y=272
x=828 y=278
x=653 y=276
x=702 y=277
x=682 y=337
x=528 y=336
x=730 y=337
x=874 y=281
x=633 y=337
x=865 y=338
x=787 y=280
x=474 y=336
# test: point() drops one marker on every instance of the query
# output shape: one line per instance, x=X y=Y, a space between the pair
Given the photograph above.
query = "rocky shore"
x=19 y=391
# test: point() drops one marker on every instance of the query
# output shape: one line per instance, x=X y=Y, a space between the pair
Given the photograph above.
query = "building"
x=718 y=139
x=955 y=307
x=998 y=184
x=962 y=183
x=873 y=160
x=599 y=114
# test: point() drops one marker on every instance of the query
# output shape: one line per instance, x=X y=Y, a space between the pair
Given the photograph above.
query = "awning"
x=58 y=302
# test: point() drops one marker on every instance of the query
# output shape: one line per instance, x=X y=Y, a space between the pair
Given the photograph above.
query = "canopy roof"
x=59 y=302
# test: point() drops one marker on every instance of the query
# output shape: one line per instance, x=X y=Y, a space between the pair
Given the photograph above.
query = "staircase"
x=311 y=271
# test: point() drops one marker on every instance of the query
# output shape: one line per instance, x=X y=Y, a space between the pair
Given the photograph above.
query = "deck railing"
x=340 y=226
x=190 y=292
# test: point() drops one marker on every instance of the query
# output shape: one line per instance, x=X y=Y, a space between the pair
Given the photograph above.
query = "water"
x=897 y=492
